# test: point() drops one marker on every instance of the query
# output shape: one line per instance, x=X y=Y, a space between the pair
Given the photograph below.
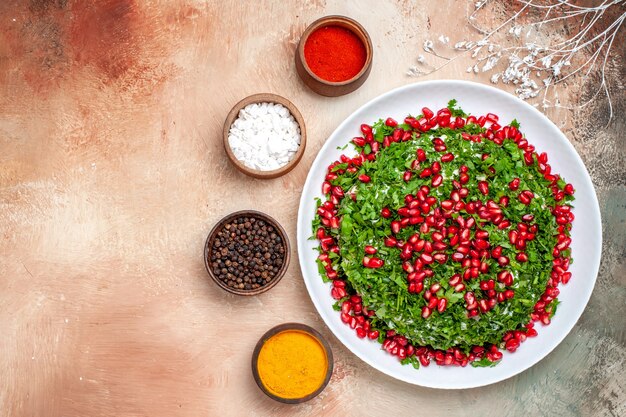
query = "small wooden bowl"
x=265 y=98
x=298 y=327
x=258 y=215
x=329 y=88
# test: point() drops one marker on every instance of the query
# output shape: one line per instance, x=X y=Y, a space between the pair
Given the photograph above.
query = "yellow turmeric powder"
x=292 y=364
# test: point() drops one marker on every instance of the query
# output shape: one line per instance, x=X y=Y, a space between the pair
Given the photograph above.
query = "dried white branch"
x=539 y=55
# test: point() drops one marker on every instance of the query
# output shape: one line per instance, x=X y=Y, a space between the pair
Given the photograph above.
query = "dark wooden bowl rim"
x=259 y=215
x=298 y=327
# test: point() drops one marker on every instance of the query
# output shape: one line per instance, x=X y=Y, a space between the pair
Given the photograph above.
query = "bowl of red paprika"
x=334 y=56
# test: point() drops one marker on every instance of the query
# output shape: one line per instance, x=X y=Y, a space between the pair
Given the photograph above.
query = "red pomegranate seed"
x=373 y=334
x=360 y=142
x=514 y=185
x=407 y=176
x=437 y=180
x=521 y=257
x=361 y=333
x=512 y=344
x=447 y=157
x=483 y=187
x=427 y=113
x=568 y=189
x=345 y=317
x=337 y=192
x=391 y=122
x=373 y=263
x=385 y=212
x=454 y=280
x=426 y=312
x=441 y=306
x=426 y=172
x=421 y=155
x=338 y=293
x=364 y=178
x=390 y=242
x=370 y=250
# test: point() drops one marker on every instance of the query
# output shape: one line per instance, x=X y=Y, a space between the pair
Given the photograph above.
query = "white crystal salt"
x=265 y=136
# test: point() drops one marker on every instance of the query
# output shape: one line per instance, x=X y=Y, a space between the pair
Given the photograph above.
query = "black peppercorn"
x=247 y=253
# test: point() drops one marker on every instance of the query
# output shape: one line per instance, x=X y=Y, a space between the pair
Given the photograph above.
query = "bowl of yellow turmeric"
x=292 y=363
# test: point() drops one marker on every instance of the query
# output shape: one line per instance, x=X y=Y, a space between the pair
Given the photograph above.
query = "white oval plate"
x=476 y=99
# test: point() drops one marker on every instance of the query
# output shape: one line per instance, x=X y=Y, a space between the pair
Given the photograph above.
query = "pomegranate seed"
x=338 y=293
x=364 y=178
x=370 y=250
x=441 y=306
x=390 y=242
x=521 y=257
x=385 y=212
x=391 y=122
x=514 y=185
x=361 y=333
x=373 y=263
x=427 y=113
x=421 y=155
x=447 y=157
x=426 y=258
x=426 y=172
x=568 y=189
x=512 y=344
x=360 y=142
x=337 y=192
x=483 y=187
x=426 y=312
x=366 y=129
x=503 y=261
x=437 y=180
x=407 y=176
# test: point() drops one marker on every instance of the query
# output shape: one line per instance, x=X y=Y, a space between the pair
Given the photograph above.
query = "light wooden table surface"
x=112 y=173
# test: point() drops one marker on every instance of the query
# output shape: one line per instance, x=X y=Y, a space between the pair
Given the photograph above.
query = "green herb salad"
x=445 y=237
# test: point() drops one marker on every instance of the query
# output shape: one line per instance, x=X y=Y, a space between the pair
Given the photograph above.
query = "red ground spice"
x=334 y=53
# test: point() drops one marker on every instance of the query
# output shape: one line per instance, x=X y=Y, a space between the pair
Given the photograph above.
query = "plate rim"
x=595 y=207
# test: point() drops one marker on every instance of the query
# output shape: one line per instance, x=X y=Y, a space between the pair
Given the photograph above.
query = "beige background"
x=112 y=173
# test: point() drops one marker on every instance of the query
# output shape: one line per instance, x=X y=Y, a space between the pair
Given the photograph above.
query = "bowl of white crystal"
x=264 y=136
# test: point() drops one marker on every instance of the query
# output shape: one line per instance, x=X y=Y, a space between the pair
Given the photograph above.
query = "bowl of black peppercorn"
x=247 y=252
